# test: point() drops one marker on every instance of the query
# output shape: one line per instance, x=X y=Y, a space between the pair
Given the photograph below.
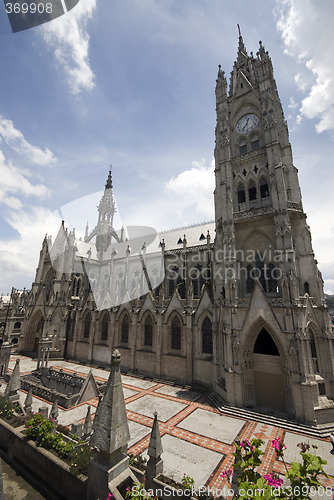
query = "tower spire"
x=109 y=179
x=241 y=48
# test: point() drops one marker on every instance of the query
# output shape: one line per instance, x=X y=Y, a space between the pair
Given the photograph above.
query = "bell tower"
x=274 y=332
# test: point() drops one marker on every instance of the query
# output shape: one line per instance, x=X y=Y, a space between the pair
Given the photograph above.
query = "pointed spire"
x=110 y=426
x=109 y=180
x=28 y=401
x=54 y=411
x=155 y=463
x=14 y=383
x=241 y=48
x=87 y=427
x=155 y=446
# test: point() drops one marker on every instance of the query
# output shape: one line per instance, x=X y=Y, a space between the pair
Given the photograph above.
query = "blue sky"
x=131 y=83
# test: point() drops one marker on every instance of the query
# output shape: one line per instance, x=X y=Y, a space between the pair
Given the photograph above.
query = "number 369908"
x=31 y=8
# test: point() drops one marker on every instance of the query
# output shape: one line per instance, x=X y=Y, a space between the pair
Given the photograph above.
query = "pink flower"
x=273 y=480
x=226 y=473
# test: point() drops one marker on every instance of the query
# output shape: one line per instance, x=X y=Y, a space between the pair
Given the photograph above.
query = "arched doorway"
x=35 y=332
x=269 y=384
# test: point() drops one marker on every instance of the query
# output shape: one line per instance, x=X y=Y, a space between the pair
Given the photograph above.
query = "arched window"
x=172 y=280
x=148 y=332
x=306 y=288
x=314 y=353
x=264 y=189
x=242 y=146
x=125 y=330
x=271 y=273
x=252 y=191
x=17 y=325
x=255 y=143
x=265 y=344
x=181 y=287
x=76 y=284
x=104 y=327
x=250 y=279
x=87 y=322
x=241 y=194
x=176 y=333
x=207 y=336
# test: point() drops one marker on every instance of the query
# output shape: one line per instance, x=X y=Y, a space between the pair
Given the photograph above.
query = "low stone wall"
x=50 y=475
x=41 y=468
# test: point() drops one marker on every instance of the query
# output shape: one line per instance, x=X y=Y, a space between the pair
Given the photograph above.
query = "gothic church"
x=239 y=308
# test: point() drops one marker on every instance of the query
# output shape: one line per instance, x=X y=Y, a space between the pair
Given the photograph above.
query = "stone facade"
x=241 y=308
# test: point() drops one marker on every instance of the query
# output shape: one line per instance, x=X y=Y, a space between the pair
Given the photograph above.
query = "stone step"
x=321 y=431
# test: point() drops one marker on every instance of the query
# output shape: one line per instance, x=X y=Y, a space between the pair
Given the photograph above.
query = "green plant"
x=302 y=477
x=80 y=457
x=41 y=430
x=136 y=492
x=187 y=482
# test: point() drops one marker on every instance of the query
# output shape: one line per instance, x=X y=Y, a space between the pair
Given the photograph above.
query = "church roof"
x=195 y=235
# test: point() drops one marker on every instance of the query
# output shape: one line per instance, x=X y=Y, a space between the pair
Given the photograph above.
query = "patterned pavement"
x=197 y=439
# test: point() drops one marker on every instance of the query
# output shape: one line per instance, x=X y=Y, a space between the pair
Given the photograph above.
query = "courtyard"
x=197 y=438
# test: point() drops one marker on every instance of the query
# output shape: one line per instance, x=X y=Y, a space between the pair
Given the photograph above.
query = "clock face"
x=247 y=123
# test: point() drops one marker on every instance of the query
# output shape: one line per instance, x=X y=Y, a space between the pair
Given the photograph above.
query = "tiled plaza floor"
x=197 y=439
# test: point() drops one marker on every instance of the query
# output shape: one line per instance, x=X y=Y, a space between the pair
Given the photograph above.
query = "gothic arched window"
x=125 y=330
x=104 y=327
x=264 y=189
x=87 y=323
x=148 y=332
x=252 y=191
x=241 y=194
x=255 y=143
x=176 y=333
x=242 y=146
x=207 y=336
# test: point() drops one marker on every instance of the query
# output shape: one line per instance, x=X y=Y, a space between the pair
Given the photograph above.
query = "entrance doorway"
x=268 y=374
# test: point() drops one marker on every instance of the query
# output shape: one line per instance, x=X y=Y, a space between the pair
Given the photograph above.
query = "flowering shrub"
x=41 y=430
x=187 y=482
x=302 y=478
x=80 y=457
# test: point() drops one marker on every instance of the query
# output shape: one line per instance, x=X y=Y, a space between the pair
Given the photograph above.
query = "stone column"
x=155 y=464
x=110 y=466
x=5 y=352
x=14 y=384
x=44 y=347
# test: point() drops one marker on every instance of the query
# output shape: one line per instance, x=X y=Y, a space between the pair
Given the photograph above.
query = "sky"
x=131 y=83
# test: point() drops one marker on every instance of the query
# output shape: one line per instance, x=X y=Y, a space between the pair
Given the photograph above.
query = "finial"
x=239 y=30
x=109 y=180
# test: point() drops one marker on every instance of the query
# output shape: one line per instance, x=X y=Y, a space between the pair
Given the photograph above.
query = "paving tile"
x=137 y=432
x=128 y=392
x=137 y=382
x=292 y=453
x=178 y=392
x=147 y=405
x=181 y=457
x=212 y=425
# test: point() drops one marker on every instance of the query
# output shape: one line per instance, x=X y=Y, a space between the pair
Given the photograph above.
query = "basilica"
x=235 y=306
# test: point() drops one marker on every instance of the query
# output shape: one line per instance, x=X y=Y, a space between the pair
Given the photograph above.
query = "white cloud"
x=306 y=27
x=19 y=257
x=15 y=139
x=68 y=37
x=195 y=188
x=14 y=182
x=292 y=103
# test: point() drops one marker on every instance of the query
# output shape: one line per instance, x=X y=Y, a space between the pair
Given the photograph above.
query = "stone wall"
x=40 y=467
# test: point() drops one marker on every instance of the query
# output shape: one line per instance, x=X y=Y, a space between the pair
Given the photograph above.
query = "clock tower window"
x=242 y=146
x=255 y=143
